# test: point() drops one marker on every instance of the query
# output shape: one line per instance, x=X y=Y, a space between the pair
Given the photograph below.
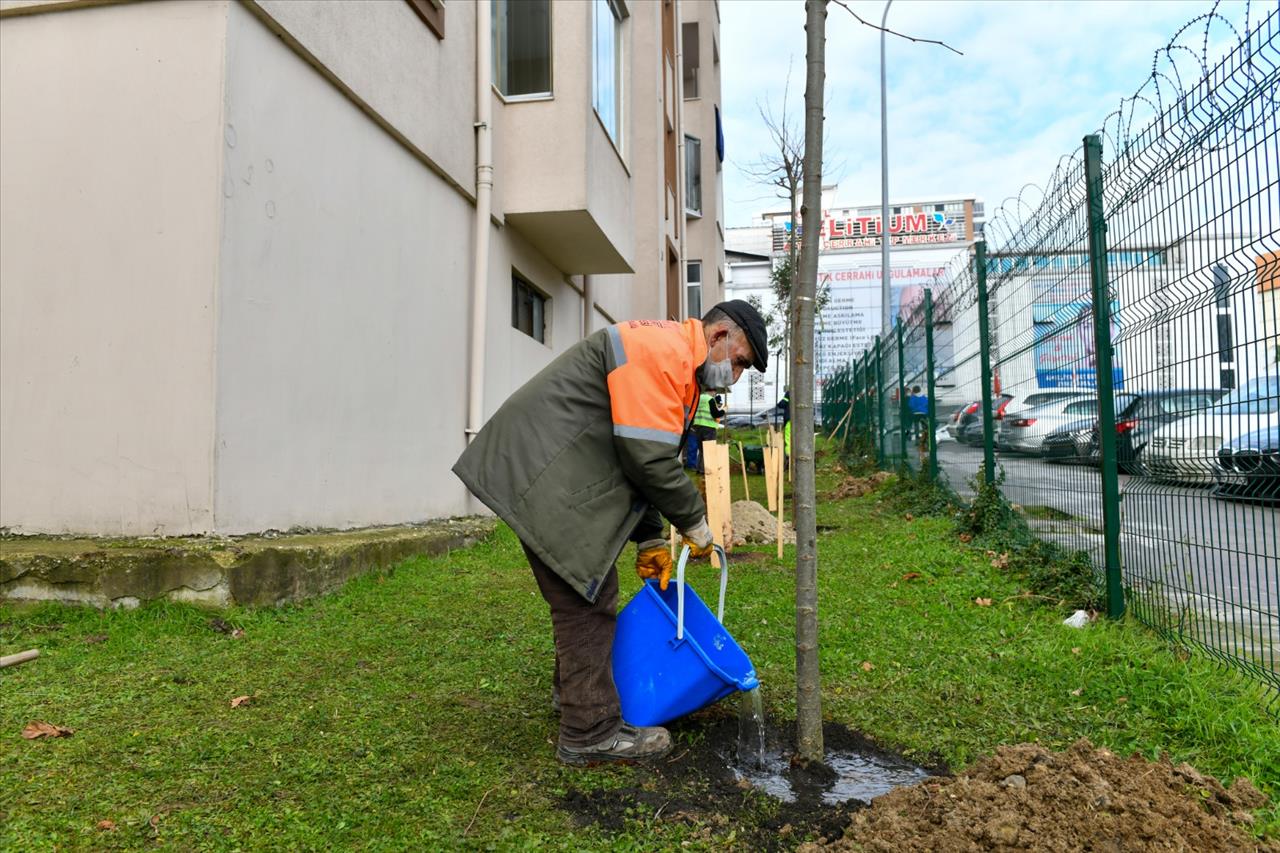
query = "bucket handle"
x=724 y=581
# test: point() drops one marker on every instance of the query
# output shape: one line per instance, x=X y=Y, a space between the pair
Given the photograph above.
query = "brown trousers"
x=589 y=709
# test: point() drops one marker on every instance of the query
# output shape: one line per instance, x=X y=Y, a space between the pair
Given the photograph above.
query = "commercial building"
x=263 y=264
x=925 y=237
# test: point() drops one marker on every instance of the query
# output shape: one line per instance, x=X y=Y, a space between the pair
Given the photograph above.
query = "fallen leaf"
x=966 y=538
x=155 y=821
x=909 y=517
x=241 y=700
x=893 y=585
x=867 y=666
x=910 y=576
x=1075 y=650
x=237 y=633
x=1000 y=562
x=39 y=728
x=982 y=602
x=94 y=639
x=1077 y=691
x=220 y=625
x=106 y=824
x=1120 y=700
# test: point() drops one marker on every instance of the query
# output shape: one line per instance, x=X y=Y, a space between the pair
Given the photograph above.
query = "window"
x=693 y=175
x=431 y=12
x=693 y=272
x=1083 y=407
x=689 y=46
x=522 y=47
x=528 y=308
x=607 y=97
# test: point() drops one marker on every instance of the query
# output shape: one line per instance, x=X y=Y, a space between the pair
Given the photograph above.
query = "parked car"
x=1024 y=431
x=1070 y=442
x=970 y=429
x=1187 y=450
x=1248 y=467
x=1140 y=413
x=750 y=420
x=1037 y=399
x=953 y=424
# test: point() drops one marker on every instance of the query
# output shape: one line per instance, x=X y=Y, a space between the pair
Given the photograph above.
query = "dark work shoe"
x=629 y=743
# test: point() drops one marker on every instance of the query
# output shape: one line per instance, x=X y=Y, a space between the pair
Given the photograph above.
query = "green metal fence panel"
x=1100 y=294
x=1109 y=351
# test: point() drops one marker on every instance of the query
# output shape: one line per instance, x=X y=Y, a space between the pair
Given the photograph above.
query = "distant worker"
x=919 y=406
x=783 y=409
x=583 y=458
x=705 y=422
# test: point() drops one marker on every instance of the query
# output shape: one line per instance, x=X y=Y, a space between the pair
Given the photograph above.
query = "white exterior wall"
x=236 y=293
x=110 y=127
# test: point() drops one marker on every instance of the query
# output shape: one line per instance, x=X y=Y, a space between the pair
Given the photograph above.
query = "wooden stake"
x=770 y=477
x=715 y=462
x=20 y=657
x=781 y=492
x=746 y=487
x=674 y=540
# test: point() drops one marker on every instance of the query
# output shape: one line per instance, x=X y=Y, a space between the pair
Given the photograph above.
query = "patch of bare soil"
x=753 y=523
x=856 y=487
x=696 y=784
x=1027 y=798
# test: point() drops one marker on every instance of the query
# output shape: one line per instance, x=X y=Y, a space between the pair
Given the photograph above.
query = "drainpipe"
x=682 y=223
x=588 y=304
x=484 y=204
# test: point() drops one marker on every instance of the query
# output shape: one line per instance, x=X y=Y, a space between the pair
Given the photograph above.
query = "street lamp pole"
x=885 y=294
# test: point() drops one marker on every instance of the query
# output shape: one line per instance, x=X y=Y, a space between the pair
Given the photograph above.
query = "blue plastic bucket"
x=672 y=656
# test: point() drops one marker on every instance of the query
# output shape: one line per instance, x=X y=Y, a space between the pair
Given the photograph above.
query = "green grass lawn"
x=411 y=710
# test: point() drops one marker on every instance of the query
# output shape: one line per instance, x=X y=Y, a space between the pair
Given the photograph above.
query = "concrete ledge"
x=216 y=572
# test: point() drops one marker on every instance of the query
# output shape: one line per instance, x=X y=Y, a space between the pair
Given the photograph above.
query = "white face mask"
x=716 y=375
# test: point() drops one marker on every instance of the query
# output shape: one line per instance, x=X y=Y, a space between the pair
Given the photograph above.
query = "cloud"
x=1034 y=79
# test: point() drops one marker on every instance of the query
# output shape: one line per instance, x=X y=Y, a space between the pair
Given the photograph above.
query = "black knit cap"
x=750 y=322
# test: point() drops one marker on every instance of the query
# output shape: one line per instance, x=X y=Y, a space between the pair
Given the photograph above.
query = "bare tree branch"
x=865 y=22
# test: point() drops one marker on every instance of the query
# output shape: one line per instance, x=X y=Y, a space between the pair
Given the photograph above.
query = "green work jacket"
x=584 y=457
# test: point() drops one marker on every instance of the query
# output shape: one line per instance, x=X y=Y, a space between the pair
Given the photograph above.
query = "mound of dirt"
x=753 y=523
x=856 y=487
x=1025 y=797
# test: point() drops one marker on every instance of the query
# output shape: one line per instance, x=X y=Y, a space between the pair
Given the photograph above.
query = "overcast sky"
x=1035 y=77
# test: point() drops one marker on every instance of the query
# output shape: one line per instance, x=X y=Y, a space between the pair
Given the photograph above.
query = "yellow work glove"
x=698 y=538
x=653 y=560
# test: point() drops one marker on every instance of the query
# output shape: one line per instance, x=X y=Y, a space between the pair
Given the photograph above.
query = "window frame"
x=431 y=13
x=689 y=285
x=521 y=283
x=692 y=211
x=497 y=55
x=619 y=16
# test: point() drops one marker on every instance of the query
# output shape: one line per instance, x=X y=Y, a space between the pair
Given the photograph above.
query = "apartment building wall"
x=238 y=245
x=704 y=240
x=109 y=217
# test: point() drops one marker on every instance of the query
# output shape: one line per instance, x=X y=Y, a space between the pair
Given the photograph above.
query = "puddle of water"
x=865 y=777
x=858 y=776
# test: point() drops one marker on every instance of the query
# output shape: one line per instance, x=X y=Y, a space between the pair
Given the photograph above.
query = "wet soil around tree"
x=1023 y=797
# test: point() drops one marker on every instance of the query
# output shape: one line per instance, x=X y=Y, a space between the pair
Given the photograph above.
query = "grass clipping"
x=1081 y=799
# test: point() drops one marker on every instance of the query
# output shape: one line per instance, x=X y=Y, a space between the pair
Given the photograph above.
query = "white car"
x=1185 y=451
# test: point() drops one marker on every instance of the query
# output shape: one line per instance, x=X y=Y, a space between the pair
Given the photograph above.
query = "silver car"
x=1025 y=431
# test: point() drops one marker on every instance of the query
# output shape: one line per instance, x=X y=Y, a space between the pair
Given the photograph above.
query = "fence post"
x=1105 y=376
x=904 y=439
x=932 y=421
x=879 y=404
x=984 y=343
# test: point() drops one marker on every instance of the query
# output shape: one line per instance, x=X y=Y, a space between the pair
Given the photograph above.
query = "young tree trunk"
x=808 y=685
